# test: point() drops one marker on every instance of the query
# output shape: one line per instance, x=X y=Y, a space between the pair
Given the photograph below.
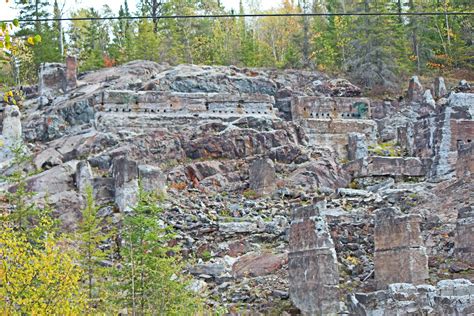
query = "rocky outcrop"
x=235 y=150
x=448 y=297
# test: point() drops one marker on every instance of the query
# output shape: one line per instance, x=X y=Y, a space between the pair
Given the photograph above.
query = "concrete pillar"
x=357 y=146
x=71 y=72
x=400 y=256
x=464 y=243
x=312 y=263
x=125 y=175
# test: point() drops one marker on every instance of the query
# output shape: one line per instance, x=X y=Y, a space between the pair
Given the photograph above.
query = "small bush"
x=250 y=194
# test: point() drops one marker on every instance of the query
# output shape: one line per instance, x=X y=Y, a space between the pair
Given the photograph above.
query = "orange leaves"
x=109 y=62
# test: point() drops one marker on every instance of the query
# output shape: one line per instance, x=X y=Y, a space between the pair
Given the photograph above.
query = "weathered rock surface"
x=258 y=264
x=449 y=297
x=238 y=150
x=400 y=256
x=312 y=263
x=464 y=246
x=262 y=176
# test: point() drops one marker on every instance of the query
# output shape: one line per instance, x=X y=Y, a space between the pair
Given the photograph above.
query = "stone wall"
x=304 y=107
x=333 y=133
x=465 y=162
x=462 y=133
x=56 y=78
x=440 y=134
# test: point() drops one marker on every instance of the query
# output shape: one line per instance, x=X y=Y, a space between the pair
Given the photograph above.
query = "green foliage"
x=206 y=255
x=387 y=149
x=149 y=277
x=23 y=215
x=91 y=237
x=250 y=194
x=376 y=51
x=38 y=273
x=90 y=38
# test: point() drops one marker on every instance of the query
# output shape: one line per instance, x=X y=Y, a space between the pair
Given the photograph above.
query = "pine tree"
x=123 y=36
x=150 y=279
x=377 y=49
x=89 y=39
x=91 y=240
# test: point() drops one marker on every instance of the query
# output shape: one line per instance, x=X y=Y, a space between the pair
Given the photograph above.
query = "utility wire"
x=258 y=15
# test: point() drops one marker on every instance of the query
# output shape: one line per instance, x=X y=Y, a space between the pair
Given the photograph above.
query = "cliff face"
x=238 y=150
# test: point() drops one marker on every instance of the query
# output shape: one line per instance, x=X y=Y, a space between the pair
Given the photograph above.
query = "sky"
x=7 y=11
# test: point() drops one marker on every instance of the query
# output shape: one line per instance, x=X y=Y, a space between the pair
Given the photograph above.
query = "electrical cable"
x=258 y=15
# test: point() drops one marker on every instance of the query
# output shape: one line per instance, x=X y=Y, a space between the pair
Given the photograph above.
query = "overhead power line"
x=258 y=15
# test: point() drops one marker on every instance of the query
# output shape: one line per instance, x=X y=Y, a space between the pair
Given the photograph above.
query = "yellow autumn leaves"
x=37 y=279
x=13 y=97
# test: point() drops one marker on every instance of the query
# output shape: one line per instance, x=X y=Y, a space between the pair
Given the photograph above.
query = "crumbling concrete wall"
x=400 y=255
x=212 y=104
x=304 y=107
x=312 y=265
x=128 y=175
x=332 y=133
x=465 y=162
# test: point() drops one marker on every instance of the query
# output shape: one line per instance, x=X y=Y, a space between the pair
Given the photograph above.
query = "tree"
x=279 y=35
x=378 y=53
x=38 y=270
x=91 y=238
x=46 y=51
x=22 y=214
x=154 y=8
x=150 y=279
x=90 y=38
x=146 y=45
x=37 y=279
x=123 y=36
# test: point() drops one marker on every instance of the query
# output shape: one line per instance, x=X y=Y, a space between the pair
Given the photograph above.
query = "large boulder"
x=254 y=264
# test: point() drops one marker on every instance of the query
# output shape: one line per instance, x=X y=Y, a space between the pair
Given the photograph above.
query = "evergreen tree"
x=150 y=280
x=89 y=39
x=146 y=44
x=46 y=51
x=123 y=36
x=377 y=51
x=91 y=240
